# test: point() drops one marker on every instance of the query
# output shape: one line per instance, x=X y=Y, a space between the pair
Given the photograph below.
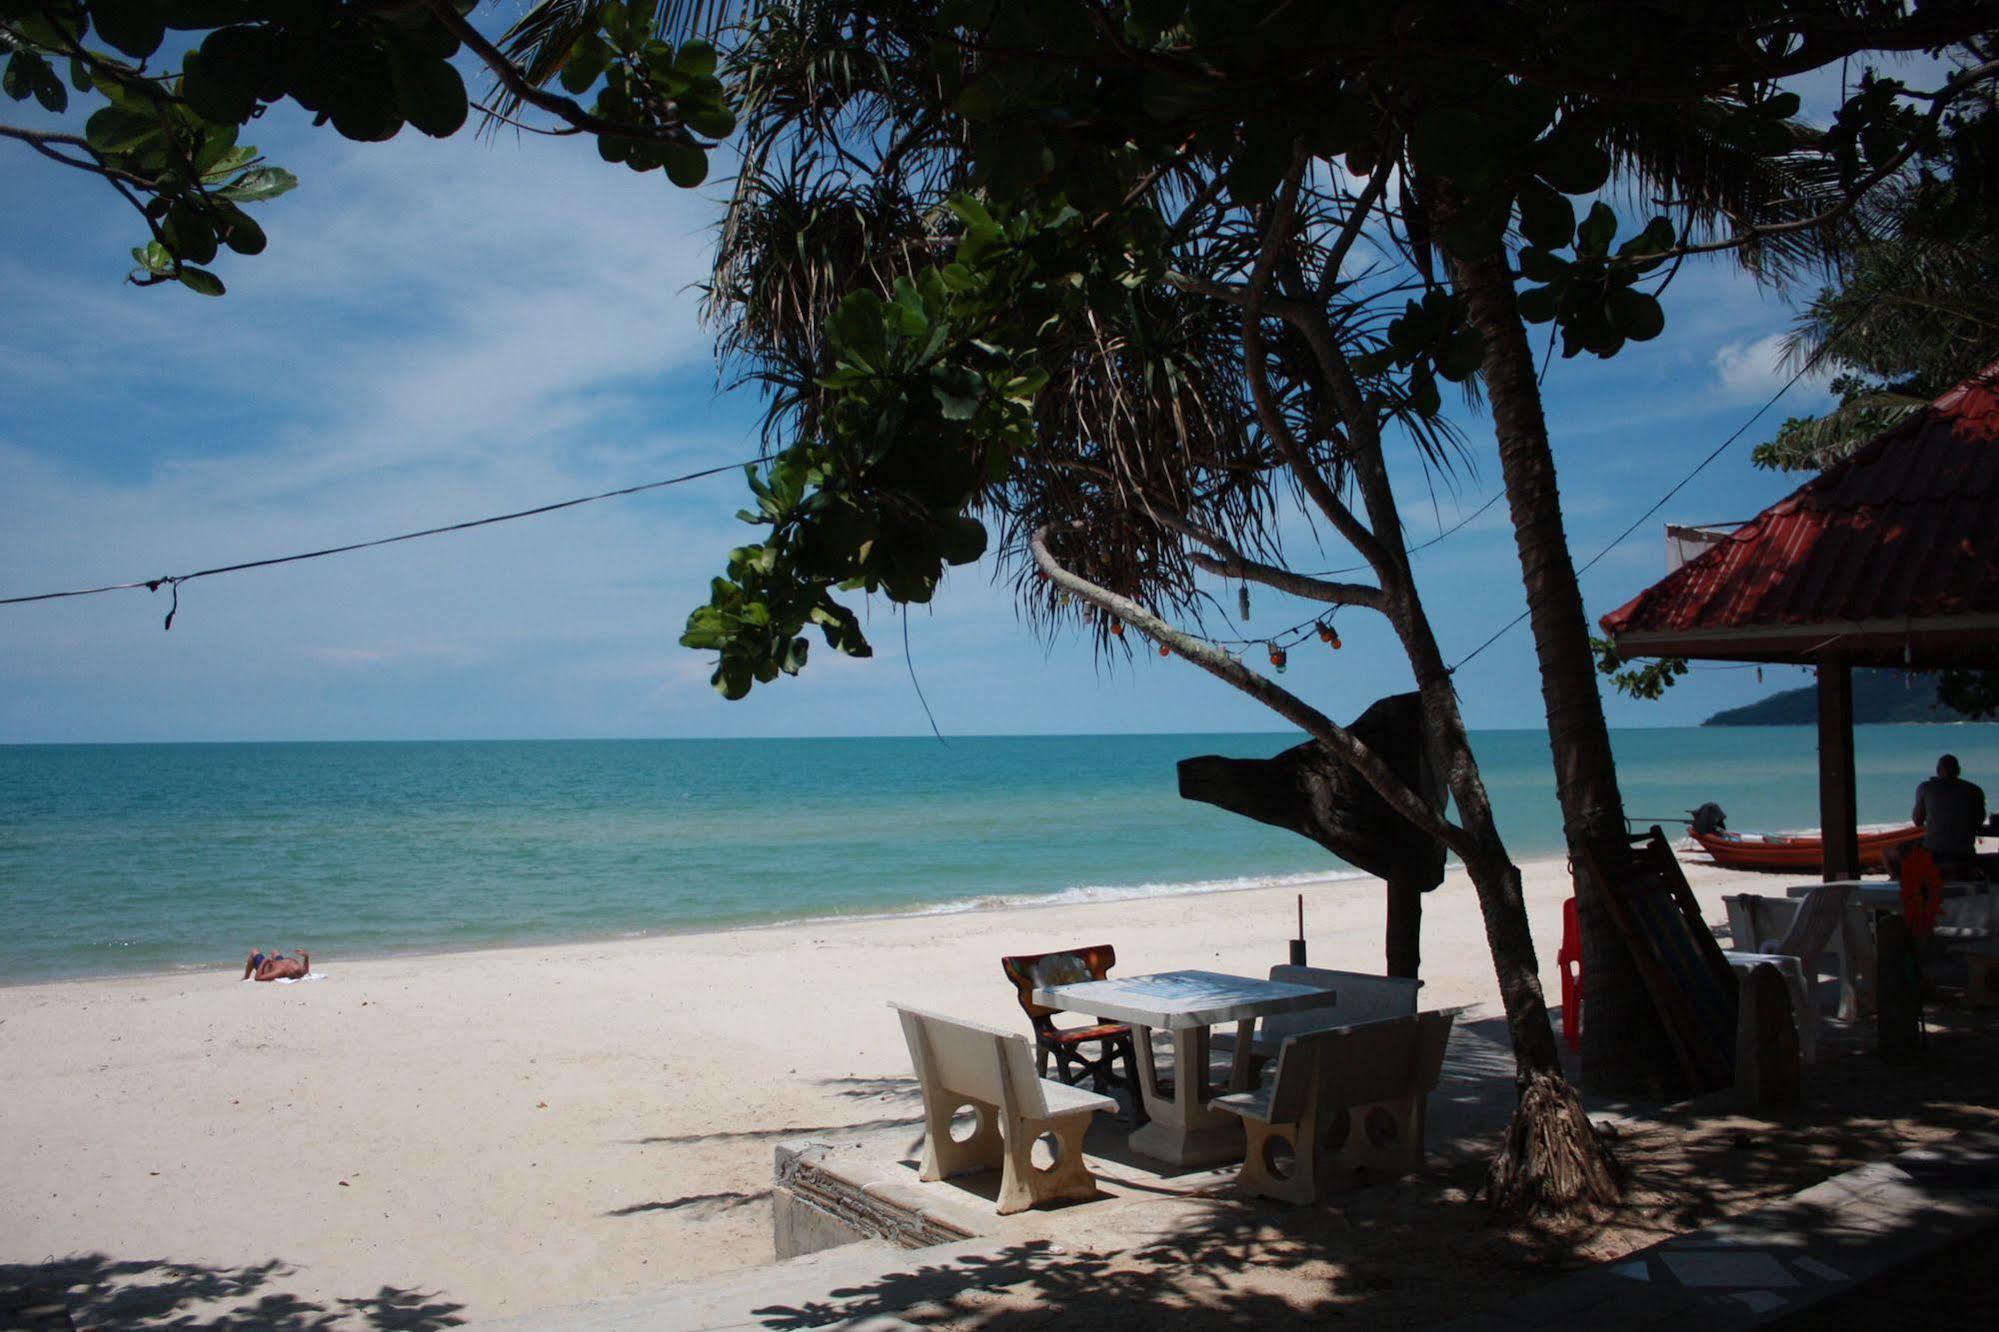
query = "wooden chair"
x=1344 y=1100
x=1112 y=1039
x=960 y=1064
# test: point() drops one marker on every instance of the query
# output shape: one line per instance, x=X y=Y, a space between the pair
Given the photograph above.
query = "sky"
x=442 y=330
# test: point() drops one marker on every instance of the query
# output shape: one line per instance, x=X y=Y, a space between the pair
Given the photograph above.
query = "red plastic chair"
x=1570 y=959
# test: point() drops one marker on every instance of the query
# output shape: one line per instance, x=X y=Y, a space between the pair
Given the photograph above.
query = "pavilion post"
x=1839 y=820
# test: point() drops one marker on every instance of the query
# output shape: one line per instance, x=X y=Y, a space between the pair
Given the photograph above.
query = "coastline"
x=504 y=1130
x=1082 y=895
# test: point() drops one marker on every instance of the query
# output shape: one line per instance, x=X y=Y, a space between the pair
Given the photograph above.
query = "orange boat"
x=1756 y=851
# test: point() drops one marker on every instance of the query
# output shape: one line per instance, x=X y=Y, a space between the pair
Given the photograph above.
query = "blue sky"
x=442 y=330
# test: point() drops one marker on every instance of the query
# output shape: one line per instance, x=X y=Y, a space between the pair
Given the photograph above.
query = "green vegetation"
x=1879 y=696
x=165 y=137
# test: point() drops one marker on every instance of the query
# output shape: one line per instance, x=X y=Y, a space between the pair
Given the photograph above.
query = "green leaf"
x=19 y=80
x=218 y=146
x=984 y=98
x=686 y=165
x=1636 y=314
x=133 y=26
x=217 y=87
x=1540 y=266
x=243 y=235
x=712 y=120
x=1570 y=160
x=1537 y=304
x=258 y=185
x=794 y=656
x=1597 y=229
x=153 y=257
x=1260 y=163
x=1781 y=106
x=202 y=281
x=731 y=679
x=1453 y=144
x=114 y=129
x=1547 y=218
x=430 y=93
x=696 y=60
x=585 y=64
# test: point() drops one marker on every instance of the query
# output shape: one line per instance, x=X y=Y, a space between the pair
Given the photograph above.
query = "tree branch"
x=1940 y=100
x=1221 y=665
x=1229 y=562
x=517 y=84
x=1377 y=185
x=44 y=141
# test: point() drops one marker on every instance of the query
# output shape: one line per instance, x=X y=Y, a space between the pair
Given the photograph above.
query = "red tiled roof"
x=1906 y=529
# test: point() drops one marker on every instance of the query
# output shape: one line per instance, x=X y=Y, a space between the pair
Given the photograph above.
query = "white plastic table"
x=1184 y=1130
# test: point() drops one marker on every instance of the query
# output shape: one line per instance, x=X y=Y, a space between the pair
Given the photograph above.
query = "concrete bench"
x=1344 y=1100
x=1362 y=998
x=963 y=1064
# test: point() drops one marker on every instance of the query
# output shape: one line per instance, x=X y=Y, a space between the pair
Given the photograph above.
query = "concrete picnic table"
x=1184 y=1130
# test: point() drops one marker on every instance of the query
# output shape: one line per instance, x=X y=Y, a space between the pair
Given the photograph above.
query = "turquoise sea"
x=161 y=857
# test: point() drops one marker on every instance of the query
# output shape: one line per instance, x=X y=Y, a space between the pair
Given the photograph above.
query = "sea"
x=165 y=857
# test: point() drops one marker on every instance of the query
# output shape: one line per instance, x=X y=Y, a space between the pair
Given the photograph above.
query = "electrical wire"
x=175 y=580
x=1657 y=504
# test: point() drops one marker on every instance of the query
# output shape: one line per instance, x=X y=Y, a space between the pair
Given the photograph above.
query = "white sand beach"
x=487 y=1134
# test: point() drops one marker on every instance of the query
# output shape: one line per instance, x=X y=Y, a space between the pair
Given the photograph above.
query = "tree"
x=1204 y=144
x=166 y=139
x=1917 y=308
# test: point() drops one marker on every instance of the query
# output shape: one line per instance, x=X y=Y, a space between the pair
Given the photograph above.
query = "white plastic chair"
x=1819 y=919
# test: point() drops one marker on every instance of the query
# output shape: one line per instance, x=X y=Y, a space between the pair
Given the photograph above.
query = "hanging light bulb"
x=1165 y=651
x=1117 y=628
x=1278 y=658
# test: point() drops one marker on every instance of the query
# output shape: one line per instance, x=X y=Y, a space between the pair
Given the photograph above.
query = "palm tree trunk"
x=1624 y=1045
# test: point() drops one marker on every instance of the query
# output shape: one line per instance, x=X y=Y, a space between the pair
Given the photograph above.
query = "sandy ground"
x=417 y=1140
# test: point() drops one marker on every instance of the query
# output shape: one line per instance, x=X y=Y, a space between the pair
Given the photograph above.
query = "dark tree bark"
x=1624 y=1046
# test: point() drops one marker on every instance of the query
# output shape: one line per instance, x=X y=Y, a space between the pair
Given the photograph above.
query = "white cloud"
x=1755 y=368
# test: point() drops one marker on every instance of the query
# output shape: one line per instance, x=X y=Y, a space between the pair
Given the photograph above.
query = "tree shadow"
x=698 y=1205
x=1423 y=1249
x=789 y=1131
x=97 y=1290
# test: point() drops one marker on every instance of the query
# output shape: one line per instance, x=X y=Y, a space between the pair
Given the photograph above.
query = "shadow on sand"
x=1423 y=1250
x=96 y=1290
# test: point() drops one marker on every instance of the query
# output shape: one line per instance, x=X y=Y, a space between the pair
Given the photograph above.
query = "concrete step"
x=855 y=1287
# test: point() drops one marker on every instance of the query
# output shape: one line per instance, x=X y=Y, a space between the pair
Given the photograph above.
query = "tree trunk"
x=1553 y=1161
x=1624 y=1045
x=1405 y=926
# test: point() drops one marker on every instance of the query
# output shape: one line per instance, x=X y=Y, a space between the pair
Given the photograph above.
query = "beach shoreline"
x=1083 y=895
x=506 y=1130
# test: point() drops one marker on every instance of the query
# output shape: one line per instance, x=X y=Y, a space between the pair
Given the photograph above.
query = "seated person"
x=1950 y=811
x=279 y=965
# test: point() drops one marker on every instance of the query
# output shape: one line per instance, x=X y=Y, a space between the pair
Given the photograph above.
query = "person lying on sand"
x=279 y=965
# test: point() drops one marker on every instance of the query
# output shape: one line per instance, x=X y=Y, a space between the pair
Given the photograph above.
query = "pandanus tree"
x=1145 y=364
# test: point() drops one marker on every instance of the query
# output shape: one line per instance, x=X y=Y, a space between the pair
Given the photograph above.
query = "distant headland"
x=1880 y=697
